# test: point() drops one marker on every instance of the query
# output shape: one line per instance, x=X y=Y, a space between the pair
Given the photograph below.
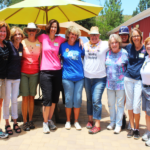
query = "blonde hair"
x=72 y=29
x=146 y=41
x=140 y=33
x=13 y=32
x=117 y=38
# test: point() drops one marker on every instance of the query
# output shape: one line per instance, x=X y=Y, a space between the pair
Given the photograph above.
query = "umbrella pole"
x=46 y=15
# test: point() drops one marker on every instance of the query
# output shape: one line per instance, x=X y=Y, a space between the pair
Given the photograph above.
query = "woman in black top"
x=13 y=79
x=4 y=53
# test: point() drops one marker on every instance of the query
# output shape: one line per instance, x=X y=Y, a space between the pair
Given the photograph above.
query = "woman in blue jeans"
x=72 y=74
x=116 y=63
x=95 y=77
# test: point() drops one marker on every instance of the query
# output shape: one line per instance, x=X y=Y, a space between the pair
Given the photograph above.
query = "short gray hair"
x=72 y=29
x=117 y=38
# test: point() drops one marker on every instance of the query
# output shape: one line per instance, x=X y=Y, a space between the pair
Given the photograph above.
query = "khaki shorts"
x=2 y=88
x=28 y=84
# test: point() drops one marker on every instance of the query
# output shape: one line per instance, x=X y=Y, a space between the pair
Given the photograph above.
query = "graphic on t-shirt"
x=92 y=55
x=73 y=55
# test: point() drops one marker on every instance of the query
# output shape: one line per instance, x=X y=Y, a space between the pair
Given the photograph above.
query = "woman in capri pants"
x=132 y=81
x=72 y=74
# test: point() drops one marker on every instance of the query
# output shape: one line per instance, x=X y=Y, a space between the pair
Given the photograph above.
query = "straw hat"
x=31 y=26
x=94 y=30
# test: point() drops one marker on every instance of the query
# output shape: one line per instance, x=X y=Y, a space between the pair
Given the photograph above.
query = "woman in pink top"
x=29 y=73
x=51 y=74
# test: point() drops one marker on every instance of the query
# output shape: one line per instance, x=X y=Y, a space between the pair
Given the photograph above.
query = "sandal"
x=26 y=127
x=31 y=125
x=16 y=129
x=10 y=132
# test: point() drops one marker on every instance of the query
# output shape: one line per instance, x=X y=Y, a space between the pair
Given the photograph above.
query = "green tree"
x=4 y=3
x=143 y=5
x=14 y=2
x=135 y=12
x=110 y=17
x=87 y=23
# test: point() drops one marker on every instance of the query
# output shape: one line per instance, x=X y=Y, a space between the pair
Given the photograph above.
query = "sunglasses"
x=31 y=30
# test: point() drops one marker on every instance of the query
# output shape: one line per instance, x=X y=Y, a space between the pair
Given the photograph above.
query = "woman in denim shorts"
x=72 y=74
x=145 y=74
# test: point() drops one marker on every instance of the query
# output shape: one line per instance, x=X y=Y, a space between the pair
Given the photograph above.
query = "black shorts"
x=50 y=82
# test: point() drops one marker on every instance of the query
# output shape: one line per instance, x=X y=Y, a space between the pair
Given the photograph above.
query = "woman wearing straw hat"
x=29 y=73
x=95 y=77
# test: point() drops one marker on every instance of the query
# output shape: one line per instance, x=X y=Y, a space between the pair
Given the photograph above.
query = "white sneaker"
x=68 y=125
x=46 y=128
x=51 y=125
x=147 y=143
x=145 y=136
x=117 y=130
x=77 y=126
x=111 y=126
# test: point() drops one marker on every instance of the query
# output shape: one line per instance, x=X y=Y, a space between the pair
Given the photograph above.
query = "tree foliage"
x=87 y=23
x=14 y=2
x=111 y=17
x=4 y=3
x=143 y=5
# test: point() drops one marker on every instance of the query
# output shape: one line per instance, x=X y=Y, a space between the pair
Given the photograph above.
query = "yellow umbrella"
x=41 y=11
x=65 y=25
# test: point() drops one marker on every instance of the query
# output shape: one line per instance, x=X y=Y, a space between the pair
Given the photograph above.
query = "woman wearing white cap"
x=95 y=77
x=29 y=73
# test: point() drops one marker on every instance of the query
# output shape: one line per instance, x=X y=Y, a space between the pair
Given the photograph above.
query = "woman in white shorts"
x=132 y=81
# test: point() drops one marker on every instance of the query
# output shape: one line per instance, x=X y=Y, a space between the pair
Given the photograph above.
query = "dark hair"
x=4 y=24
x=48 y=26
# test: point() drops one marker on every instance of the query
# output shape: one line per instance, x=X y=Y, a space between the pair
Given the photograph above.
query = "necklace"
x=96 y=47
x=138 y=48
x=16 y=46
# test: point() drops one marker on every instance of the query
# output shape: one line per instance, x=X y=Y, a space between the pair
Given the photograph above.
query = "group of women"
x=116 y=65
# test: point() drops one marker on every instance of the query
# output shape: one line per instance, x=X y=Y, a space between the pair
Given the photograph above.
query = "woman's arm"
x=40 y=57
x=81 y=43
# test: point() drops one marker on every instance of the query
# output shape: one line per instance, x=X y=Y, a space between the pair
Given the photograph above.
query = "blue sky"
x=128 y=6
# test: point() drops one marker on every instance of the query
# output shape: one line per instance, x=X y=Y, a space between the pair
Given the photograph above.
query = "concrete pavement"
x=63 y=139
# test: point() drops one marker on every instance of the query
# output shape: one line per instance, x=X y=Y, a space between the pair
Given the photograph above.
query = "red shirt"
x=30 y=58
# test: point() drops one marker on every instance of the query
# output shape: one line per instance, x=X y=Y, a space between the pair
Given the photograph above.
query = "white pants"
x=133 y=90
x=116 y=98
x=12 y=90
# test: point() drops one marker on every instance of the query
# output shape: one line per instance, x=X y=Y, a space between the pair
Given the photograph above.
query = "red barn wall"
x=144 y=26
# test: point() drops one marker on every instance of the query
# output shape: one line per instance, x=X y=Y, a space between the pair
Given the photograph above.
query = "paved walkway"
x=63 y=139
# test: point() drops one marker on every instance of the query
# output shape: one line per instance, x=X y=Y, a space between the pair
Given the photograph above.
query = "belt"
x=146 y=85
